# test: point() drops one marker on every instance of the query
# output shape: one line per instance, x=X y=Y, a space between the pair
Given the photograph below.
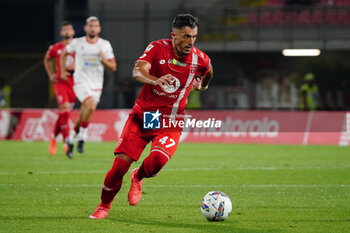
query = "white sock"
x=72 y=135
x=83 y=133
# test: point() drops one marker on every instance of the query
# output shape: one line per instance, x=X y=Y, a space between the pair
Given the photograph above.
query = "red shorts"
x=134 y=138
x=64 y=93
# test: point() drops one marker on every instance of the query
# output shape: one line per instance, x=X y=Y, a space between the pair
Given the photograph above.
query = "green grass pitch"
x=273 y=188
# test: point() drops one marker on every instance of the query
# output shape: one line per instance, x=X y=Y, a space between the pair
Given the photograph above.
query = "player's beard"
x=91 y=36
x=184 y=50
x=67 y=37
x=184 y=53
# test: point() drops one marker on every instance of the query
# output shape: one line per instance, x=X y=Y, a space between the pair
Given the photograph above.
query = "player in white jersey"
x=92 y=54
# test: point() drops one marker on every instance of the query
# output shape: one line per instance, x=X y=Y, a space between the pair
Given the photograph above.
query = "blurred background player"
x=63 y=88
x=92 y=54
x=309 y=93
x=167 y=69
x=5 y=94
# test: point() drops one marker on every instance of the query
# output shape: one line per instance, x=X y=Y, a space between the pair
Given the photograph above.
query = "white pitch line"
x=174 y=170
x=202 y=186
x=253 y=168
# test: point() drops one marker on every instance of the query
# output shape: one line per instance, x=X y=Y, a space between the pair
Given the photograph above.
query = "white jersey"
x=88 y=66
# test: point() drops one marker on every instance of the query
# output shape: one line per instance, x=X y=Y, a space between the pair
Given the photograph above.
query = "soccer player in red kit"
x=167 y=69
x=63 y=88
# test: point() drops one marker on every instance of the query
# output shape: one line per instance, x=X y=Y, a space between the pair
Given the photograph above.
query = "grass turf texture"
x=273 y=188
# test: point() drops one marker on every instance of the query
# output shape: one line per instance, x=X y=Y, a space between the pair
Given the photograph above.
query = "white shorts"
x=83 y=91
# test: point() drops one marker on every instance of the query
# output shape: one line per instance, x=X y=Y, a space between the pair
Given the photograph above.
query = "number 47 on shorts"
x=167 y=143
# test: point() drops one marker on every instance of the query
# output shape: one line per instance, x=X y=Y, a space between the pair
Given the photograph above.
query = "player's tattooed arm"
x=63 y=59
x=141 y=74
x=203 y=83
x=48 y=67
x=111 y=64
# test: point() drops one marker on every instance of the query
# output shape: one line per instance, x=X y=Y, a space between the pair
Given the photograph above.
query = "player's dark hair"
x=66 y=23
x=183 y=20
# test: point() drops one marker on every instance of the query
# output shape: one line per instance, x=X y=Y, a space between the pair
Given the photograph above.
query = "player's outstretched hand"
x=64 y=75
x=165 y=81
x=53 y=78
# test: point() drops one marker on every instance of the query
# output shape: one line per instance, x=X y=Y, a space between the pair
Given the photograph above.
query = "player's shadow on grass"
x=226 y=226
x=302 y=220
x=201 y=226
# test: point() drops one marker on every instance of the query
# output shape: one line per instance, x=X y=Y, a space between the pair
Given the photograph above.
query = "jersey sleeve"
x=51 y=52
x=71 y=48
x=108 y=51
x=150 y=53
x=205 y=65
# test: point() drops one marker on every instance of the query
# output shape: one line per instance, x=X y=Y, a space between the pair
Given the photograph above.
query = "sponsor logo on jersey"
x=176 y=62
x=151 y=120
x=174 y=85
x=91 y=60
x=173 y=96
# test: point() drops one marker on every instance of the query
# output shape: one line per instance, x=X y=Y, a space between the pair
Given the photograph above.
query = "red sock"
x=84 y=124
x=76 y=129
x=152 y=164
x=57 y=129
x=64 y=124
x=113 y=181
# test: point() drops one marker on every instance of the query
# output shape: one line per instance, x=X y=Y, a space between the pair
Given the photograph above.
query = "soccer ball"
x=216 y=206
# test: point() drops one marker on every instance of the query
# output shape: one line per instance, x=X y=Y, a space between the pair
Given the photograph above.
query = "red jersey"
x=55 y=51
x=172 y=100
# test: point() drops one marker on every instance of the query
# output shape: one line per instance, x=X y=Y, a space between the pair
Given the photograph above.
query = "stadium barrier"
x=267 y=127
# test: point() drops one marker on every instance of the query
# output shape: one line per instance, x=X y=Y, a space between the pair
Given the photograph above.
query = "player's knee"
x=125 y=157
x=90 y=108
x=65 y=107
x=89 y=105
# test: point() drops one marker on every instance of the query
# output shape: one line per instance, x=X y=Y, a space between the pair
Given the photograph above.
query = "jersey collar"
x=91 y=42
